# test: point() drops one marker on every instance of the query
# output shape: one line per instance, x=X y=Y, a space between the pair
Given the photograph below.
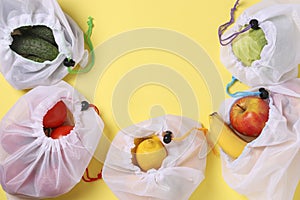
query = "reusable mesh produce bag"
x=18 y=69
x=268 y=167
x=181 y=171
x=33 y=165
x=279 y=58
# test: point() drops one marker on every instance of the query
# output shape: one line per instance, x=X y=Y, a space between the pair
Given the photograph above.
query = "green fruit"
x=23 y=29
x=247 y=47
x=40 y=31
x=34 y=46
x=35 y=58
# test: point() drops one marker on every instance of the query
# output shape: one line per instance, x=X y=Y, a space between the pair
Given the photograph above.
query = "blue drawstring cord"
x=239 y=94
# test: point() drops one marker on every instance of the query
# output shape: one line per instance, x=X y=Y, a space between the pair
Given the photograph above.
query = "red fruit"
x=61 y=131
x=56 y=115
x=248 y=115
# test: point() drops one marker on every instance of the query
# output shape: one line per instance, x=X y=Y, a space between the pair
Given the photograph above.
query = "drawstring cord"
x=168 y=138
x=95 y=108
x=262 y=92
x=238 y=94
x=87 y=39
x=84 y=106
x=89 y=179
x=189 y=132
x=225 y=41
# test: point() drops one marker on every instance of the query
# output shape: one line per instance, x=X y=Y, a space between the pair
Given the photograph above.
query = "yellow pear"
x=150 y=153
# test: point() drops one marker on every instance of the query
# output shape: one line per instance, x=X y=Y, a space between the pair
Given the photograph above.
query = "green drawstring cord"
x=87 y=39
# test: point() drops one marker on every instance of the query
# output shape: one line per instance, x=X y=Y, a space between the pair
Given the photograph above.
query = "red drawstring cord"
x=95 y=108
x=99 y=176
x=90 y=179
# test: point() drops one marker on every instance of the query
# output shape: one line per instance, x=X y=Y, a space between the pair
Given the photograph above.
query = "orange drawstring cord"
x=205 y=132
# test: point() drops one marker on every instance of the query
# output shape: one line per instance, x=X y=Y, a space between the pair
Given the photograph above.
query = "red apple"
x=56 y=115
x=61 y=131
x=248 y=115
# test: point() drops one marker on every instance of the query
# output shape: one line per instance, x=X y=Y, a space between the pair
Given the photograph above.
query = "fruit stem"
x=241 y=107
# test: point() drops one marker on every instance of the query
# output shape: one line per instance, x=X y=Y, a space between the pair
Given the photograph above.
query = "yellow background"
x=197 y=20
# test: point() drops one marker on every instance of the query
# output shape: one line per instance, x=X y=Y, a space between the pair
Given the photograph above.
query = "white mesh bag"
x=279 y=58
x=23 y=73
x=268 y=167
x=181 y=171
x=33 y=165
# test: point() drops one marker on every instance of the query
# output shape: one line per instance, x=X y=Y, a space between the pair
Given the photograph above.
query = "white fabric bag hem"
x=180 y=172
x=23 y=73
x=268 y=166
x=279 y=59
x=46 y=167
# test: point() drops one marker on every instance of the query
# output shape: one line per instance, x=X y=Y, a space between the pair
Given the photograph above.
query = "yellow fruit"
x=150 y=153
x=231 y=143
